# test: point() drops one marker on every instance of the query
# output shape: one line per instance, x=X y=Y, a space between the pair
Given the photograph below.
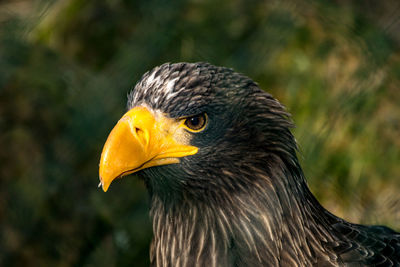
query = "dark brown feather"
x=243 y=199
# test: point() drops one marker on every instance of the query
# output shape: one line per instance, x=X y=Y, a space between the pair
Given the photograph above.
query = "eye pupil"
x=196 y=123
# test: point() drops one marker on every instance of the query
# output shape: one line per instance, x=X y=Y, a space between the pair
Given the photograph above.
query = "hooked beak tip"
x=103 y=185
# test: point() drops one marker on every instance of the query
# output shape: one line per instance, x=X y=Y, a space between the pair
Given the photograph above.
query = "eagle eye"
x=196 y=123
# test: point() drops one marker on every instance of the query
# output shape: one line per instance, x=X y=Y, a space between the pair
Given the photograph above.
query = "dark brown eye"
x=196 y=123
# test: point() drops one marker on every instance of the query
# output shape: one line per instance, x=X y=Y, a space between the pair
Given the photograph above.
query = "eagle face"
x=197 y=122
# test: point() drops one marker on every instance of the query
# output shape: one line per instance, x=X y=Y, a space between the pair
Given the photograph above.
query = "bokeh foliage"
x=66 y=67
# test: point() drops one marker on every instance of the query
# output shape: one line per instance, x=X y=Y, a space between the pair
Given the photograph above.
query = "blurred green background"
x=67 y=66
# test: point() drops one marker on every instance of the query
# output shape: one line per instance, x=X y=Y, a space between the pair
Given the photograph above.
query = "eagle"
x=219 y=161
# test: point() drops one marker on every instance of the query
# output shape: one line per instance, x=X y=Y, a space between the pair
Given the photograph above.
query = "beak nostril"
x=141 y=135
x=138 y=131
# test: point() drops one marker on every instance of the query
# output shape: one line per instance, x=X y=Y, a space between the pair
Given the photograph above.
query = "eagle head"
x=189 y=127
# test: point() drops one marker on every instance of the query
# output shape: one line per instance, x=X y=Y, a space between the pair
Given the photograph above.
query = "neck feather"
x=275 y=221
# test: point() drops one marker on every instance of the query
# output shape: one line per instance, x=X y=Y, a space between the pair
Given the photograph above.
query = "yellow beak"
x=141 y=140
